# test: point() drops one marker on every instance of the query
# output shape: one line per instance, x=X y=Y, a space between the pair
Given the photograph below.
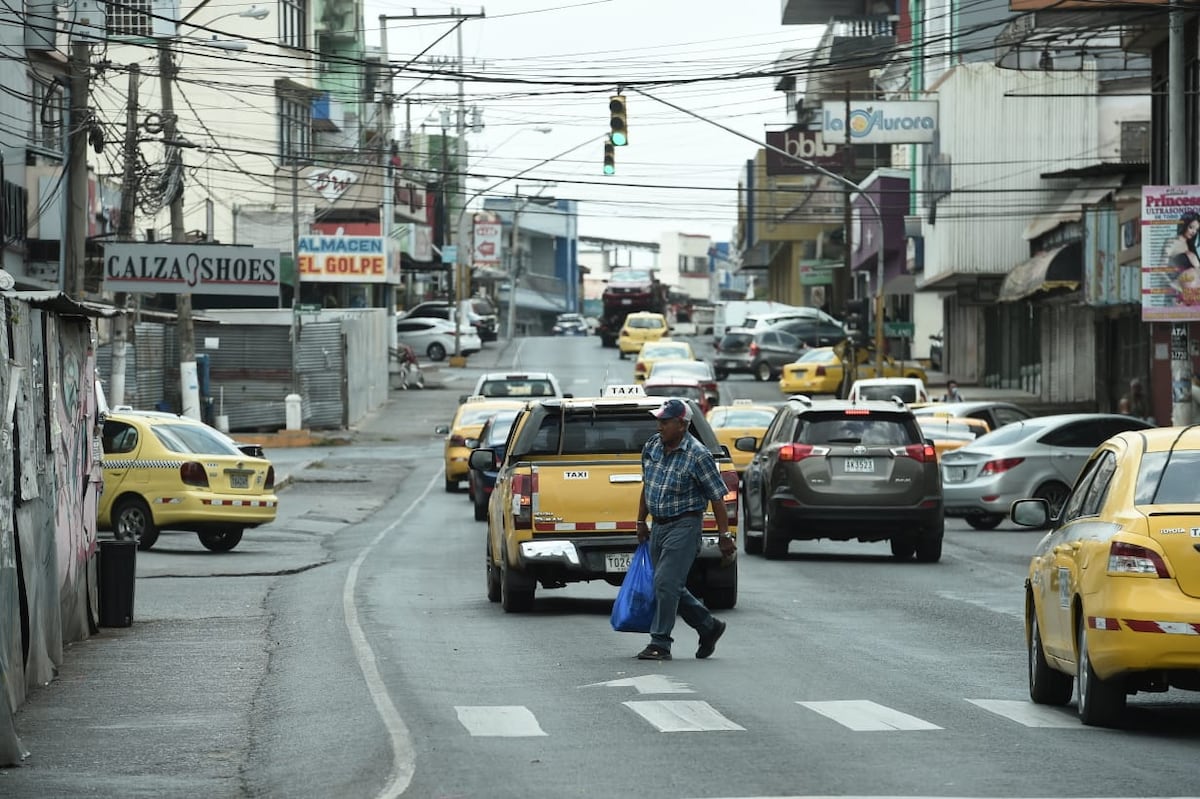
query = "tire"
x=621 y=355
x=903 y=547
x=723 y=595
x=436 y=352
x=481 y=509
x=1101 y=702
x=762 y=371
x=516 y=590
x=774 y=542
x=132 y=520
x=493 y=574
x=451 y=486
x=929 y=542
x=1047 y=685
x=221 y=540
x=986 y=521
x=721 y=374
x=1055 y=494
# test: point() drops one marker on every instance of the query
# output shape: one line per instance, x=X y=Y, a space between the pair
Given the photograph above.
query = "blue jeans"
x=673 y=548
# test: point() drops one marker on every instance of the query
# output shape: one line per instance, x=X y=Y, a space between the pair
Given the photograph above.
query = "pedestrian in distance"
x=1135 y=403
x=679 y=479
x=952 y=393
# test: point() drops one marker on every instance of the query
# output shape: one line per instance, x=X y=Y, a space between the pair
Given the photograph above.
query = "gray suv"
x=843 y=471
x=762 y=352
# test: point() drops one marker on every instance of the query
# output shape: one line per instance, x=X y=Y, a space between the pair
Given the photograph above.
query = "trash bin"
x=118 y=572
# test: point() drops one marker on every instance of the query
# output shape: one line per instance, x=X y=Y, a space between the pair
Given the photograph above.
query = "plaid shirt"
x=680 y=481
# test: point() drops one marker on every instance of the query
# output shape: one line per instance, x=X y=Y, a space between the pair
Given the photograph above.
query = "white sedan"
x=434 y=337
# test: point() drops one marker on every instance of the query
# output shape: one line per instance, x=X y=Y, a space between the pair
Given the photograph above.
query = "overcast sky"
x=554 y=63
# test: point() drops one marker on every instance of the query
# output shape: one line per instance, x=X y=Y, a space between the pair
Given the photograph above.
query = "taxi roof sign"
x=623 y=390
x=477 y=398
x=743 y=402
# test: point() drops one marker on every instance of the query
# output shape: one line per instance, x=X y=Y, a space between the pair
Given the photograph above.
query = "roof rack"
x=804 y=398
x=899 y=402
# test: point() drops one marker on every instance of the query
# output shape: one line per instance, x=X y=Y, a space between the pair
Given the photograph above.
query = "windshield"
x=644 y=322
x=837 y=428
x=818 y=356
x=907 y=393
x=682 y=369
x=192 y=438
x=517 y=388
x=686 y=392
x=1176 y=486
x=949 y=430
x=741 y=417
x=665 y=351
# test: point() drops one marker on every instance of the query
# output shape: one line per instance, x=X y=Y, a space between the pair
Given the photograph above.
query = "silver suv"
x=843 y=471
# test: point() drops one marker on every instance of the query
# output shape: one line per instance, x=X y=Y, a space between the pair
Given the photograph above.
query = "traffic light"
x=857 y=319
x=610 y=159
x=618 y=122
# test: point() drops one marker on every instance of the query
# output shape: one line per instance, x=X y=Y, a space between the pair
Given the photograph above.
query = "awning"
x=1058 y=268
x=757 y=257
x=900 y=284
x=1088 y=191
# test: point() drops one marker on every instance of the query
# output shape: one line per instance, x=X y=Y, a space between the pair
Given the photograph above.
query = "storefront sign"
x=331 y=183
x=342 y=259
x=1170 y=259
x=804 y=144
x=881 y=122
x=485 y=252
x=190 y=269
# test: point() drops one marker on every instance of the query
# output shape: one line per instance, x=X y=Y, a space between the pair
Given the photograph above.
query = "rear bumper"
x=850 y=523
x=570 y=559
x=1147 y=625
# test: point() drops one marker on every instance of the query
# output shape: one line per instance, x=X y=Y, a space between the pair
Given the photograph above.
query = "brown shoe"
x=654 y=652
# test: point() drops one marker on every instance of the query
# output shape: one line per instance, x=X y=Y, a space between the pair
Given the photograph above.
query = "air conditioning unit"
x=89 y=20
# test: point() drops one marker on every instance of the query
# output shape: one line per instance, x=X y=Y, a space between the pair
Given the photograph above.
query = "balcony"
x=339 y=20
x=849 y=50
x=818 y=12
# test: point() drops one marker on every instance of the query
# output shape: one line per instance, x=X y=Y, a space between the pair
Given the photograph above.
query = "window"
x=295 y=127
x=1099 y=488
x=130 y=18
x=1168 y=478
x=292 y=28
x=118 y=438
x=49 y=111
x=1007 y=416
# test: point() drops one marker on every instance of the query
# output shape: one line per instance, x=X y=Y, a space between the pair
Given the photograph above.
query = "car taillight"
x=1000 y=466
x=753 y=348
x=270 y=481
x=457 y=441
x=790 y=453
x=710 y=387
x=522 y=500
x=639 y=367
x=1126 y=558
x=730 y=476
x=193 y=474
x=925 y=453
x=820 y=372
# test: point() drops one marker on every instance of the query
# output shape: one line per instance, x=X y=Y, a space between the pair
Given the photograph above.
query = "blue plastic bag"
x=633 y=612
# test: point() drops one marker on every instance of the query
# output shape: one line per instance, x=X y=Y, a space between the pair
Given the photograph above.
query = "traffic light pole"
x=843 y=180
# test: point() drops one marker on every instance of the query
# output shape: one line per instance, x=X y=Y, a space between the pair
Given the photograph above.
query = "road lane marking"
x=499 y=721
x=682 y=715
x=647 y=684
x=863 y=715
x=403 y=757
x=1027 y=713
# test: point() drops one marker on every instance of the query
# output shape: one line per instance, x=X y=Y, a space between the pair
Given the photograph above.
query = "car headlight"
x=550 y=550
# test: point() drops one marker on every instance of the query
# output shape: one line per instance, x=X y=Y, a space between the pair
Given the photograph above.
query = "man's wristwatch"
x=727 y=534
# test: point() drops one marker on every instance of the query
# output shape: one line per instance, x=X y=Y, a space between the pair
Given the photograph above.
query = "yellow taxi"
x=820 y=370
x=662 y=350
x=463 y=432
x=639 y=328
x=742 y=418
x=951 y=432
x=163 y=471
x=1112 y=598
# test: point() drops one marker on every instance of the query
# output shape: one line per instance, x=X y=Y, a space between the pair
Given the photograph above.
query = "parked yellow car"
x=820 y=370
x=1112 y=599
x=951 y=432
x=462 y=433
x=742 y=418
x=661 y=350
x=639 y=328
x=163 y=471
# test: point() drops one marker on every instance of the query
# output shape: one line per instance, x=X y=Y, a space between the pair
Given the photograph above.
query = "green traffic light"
x=609 y=169
x=619 y=139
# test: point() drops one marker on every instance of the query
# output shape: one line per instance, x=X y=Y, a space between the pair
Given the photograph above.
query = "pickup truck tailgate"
x=574 y=495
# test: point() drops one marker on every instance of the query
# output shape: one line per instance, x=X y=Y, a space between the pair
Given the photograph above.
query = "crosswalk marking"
x=1029 y=714
x=867 y=716
x=511 y=721
x=682 y=715
x=647 y=684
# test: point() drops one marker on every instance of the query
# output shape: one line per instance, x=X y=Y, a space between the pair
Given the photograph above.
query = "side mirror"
x=482 y=460
x=746 y=444
x=1030 y=513
x=462 y=398
x=442 y=429
x=928 y=442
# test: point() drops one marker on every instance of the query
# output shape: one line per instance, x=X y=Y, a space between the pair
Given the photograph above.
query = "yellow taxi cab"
x=564 y=506
x=163 y=471
x=743 y=418
x=820 y=371
x=951 y=432
x=661 y=350
x=640 y=327
x=1112 y=599
x=463 y=432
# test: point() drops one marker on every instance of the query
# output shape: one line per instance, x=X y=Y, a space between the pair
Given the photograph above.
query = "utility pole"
x=1177 y=169
x=462 y=270
x=189 y=384
x=129 y=188
x=510 y=321
x=74 y=240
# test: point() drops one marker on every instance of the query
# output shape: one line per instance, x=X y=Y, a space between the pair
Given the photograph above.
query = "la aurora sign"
x=881 y=122
x=163 y=268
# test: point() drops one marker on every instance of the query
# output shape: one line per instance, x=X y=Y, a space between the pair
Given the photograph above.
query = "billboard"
x=164 y=268
x=806 y=144
x=1170 y=260
x=881 y=121
x=342 y=259
x=486 y=245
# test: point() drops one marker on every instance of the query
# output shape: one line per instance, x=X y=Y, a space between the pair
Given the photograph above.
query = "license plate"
x=958 y=475
x=617 y=561
x=860 y=465
x=627 y=302
x=239 y=480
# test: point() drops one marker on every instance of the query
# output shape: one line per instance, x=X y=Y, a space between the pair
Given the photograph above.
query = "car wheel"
x=516 y=589
x=451 y=486
x=481 y=509
x=929 y=542
x=903 y=547
x=1055 y=494
x=985 y=521
x=221 y=540
x=436 y=352
x=721 y=591
x=621 y=355
x=493 y=574
x=1047 y=686
x=774 y=542
x=721 y=374
x=132 y=521
x=1101 y=702
x=762 y=372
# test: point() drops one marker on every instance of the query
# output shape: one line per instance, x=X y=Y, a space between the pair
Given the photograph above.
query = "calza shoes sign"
x=188 y=269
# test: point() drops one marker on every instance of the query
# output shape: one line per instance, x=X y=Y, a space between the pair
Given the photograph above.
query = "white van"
x=733 y=313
